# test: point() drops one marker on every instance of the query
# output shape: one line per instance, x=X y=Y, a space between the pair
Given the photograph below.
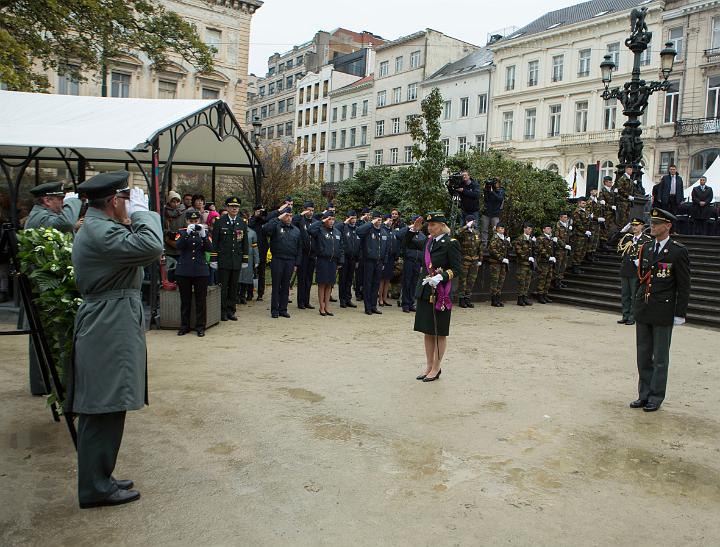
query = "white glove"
x=615 y=190
x=425 y=281
x=602 y=202
x=555 y=240
x=203 y=232
x=552 y=259
x=505 y=261
x=588 y=233
x=614 y=208
x=637 y=262
x=213 y=265
x=677 y=321
x=534 y=239
x=191 y=228
x=532 y=259
x=245 y=265
x=570 y=228
x=625 y=228
x=568 y=248
x=631 y=198
x=138 y=201
x=69 y=196
x=479 y=263
x=470 y=224
x=601 y=220
x=435 y=280
x=592 y=216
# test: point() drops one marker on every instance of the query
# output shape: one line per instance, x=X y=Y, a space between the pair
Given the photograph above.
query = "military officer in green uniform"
x=581 y=234
x=563 y=229
x=546 y=261
x=108 y=376
x=53 y=209
x=608 y=209
x=595 y=210
x=524 y=246
x=624 y=195
x=230 y=241
x=498 y=249
x=660 y=303
x=629 y=239
x=468 y=237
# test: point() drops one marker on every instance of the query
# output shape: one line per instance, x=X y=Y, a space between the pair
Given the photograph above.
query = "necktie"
x=657 y=251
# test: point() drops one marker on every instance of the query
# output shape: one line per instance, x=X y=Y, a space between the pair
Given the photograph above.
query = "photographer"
x=468 y=190
x=192 y=272
x=494 y=197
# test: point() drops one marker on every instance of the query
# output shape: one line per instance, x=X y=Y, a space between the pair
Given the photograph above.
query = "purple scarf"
x=443 y=301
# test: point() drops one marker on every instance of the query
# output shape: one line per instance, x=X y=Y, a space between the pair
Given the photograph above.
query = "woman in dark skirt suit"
x=441 y=259
x=327 y=244
x=388 y=270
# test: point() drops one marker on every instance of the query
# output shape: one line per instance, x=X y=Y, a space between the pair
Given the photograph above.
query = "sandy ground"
x=313 y=431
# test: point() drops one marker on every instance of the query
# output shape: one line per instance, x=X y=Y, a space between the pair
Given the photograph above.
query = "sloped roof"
x=477 y=59
x=574 y=14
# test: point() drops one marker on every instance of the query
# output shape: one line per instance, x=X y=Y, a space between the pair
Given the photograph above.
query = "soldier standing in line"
x=412 y=263
x=608 y=212
x=307 y=263
x=581 y=234
x=53 y=209
x=351 y=247
x=360 y=271
x=388 y=269
x=630 y=238
x=594 y=208
x=524 y=245
x=230 y=241
x=470 y=241
x=660 y=304
x=498 y=249
x=108 y=372
x=192 y=271
x=374 y=247
x=625 y=189
x=546 y=261
x=286 y=250
x=563 y=229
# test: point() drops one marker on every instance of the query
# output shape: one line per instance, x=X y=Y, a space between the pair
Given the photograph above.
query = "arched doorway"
x=700 y=162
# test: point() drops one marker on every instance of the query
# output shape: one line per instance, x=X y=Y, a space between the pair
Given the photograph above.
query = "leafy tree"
x=427 y=191
x=531 y=194
x=360 y=190
x=75 y=37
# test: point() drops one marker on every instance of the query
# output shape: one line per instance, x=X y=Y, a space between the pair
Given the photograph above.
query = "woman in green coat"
x=441 y=260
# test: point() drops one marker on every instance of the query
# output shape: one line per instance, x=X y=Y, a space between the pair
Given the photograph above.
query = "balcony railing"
x=697 y=126
x=612 y=135
x=712 y=53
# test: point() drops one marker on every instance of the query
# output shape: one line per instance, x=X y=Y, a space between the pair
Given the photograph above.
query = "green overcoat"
x=109 y=368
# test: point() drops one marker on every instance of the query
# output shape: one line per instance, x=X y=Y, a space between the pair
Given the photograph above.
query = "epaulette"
x=677 y=243
x=453 y=239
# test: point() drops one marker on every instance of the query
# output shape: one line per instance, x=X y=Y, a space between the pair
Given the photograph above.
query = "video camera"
x=455 y=181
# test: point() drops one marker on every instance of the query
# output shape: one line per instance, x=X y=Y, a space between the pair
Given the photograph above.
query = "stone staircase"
x=599 y=285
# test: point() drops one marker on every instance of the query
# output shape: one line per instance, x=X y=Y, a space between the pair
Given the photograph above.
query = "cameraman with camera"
x=468 y=190
x=494 y=197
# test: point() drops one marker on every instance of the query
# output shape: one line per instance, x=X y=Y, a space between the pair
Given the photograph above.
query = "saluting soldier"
x=387 y=272
x=286 y=249
x=630 y=238
x=351 y=246
x=608 y=210
x=108 y=376
x=581 y=234
x=660 y=303
x=594 y=208
x=230 y=241
x=498 y=249
x=546 y=261
x=328 y=247
x=192 y=271
x=374 y=250
x=412 y=262
x=624 y=198
x=53 y=209
x=563 y=229
x=306 y=269
x=470 y=240
x=524 y=254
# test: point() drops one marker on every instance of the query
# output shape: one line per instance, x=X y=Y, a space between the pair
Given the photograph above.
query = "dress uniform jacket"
x=42 y=217
x=629 y=253
x=248 y=273
x=230 y=242
x=664 y=284
x=109 y=369
x=192 y=248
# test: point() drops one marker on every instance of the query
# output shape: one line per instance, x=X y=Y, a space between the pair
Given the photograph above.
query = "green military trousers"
x=523 y=275
x=468 y=275
x=99 y=438
x=545 y=274
x=497 y=278
x=653 y=361
x=628 y=288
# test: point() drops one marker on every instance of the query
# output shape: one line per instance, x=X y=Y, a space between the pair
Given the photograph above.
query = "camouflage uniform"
x=523 y=245
x=471 y=248
x=625 y=189
x=546 y=247
x=561 y=253
x=581 y=224
x=608 y=228
x=593 y=207
x=498 y=250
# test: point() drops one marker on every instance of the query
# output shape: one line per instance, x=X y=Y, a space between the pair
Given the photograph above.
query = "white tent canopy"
x=713 y=180
x=575 y=176
x=112 y=131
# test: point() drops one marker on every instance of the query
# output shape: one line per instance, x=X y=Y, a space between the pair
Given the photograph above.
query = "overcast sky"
x=280 y=24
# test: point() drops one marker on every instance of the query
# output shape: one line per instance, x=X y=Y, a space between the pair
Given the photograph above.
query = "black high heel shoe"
x=436 y=377
x=323 y=313
x=421 y=377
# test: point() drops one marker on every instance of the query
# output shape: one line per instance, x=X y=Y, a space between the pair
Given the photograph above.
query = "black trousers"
x=282 y=270
x=262 y=264
x=371 y=283
x=99 y=438
x=653 y=360
x=305 y=272
x=228 y=280
x=700 y=226
x=187 y=286
x=410 y=275
x=359 y=275
x=347 y=272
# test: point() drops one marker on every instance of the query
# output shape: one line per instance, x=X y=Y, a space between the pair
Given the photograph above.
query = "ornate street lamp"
x=257 y=172
x=635 y=93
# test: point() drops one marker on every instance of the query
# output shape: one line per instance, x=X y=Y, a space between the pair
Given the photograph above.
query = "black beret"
x=308 y=203
x=365 y=210
x=377 y=214
x=547 y=225
x=48 y=189
x=499 y=225
x=607 y=177
x=529 y=225
x=286 y=210
x=328 y=214
x=105 y=184
x=468 y=218
x=351 y=213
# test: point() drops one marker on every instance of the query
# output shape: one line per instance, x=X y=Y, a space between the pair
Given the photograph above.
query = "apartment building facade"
x=465 y=89
x=400 y=68
x=546 y=105
x=223 y=24
x=689 y=130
